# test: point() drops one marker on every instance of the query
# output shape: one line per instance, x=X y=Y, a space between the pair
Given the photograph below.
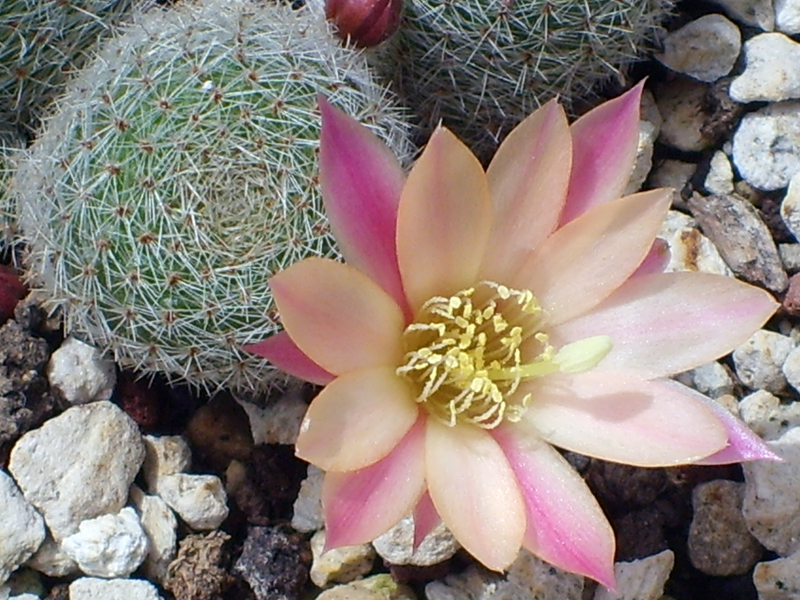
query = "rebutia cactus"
x=41 y=42
x=481 y=66
x=181 y=173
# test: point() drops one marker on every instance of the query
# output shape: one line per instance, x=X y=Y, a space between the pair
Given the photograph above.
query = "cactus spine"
x=180 y=173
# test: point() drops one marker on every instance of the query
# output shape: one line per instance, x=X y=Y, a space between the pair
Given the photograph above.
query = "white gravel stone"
x=91 y=588
x=758 y=13
x=771 y=73
x=787 y=16
x=720 y=175
x=78 y=465
x=199 y=500
x=160 y=525
x=21 y=527
x=681 y=104
x=279 y=422
x=790 y=206
x=648 y=133
x=164 y=455
x=80 y=372
x=767 y=416
x=530 y=577
x=396 y=545
x=641 y=579
x=760 y=359
x=689 y=249
x=377 y=587
x=771 y=507
x=474 y=583
x=340 y=565
x=706 y=48
x=308 y=505
x=712 y=379
x=766 y=146
x=778 y=579
x=51 y=560
x=790 y=257
x=108 y=546
x=791 y=368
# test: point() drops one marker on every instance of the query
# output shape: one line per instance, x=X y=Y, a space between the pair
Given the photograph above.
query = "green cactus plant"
x=481 y=66
x=41 y=42
x=180 y=173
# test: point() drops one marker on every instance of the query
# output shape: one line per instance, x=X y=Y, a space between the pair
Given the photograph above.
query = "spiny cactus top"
x=480 y=66
x=180 y=173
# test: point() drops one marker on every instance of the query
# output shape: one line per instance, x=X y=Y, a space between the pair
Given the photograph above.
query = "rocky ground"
x=202 y=498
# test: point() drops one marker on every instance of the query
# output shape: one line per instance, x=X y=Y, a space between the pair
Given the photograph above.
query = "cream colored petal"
x=356 y=420
x=443 y=221
x=528 y=179
x=587 y=259
x=338 y=316
x=475 y=492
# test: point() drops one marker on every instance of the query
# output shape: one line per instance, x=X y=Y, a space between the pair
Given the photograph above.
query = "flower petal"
x=604 y=143
x=743 y=444
x=361 y=505
x=667 y=323
x=587 y=259
x=566 y=526
x=528 y=179
x=282 y=352
x=622 y=418
x=444 y=220
x=356 y=420
x=361 y=182
x=656 y=260
x=426 y=519
x=338 y=316
x=475 y=492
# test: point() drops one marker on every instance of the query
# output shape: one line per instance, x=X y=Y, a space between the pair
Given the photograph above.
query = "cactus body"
x=481 y=66
x=41 y=43
x=180 y=173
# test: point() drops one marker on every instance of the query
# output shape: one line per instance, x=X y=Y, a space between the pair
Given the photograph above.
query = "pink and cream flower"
x=484 y=318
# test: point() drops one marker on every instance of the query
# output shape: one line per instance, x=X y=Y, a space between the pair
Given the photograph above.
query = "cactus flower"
x=485 y=318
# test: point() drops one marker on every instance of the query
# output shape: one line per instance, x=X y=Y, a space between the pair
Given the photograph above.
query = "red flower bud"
x=364 y=22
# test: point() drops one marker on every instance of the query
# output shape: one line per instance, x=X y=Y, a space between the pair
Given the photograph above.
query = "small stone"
x=771 y=508
x=787 y=16
x=706 y=48
x=90 y=588
x=200 y=500
x=790 y=256
x=220 y=432
x=673 y=174
x=689 y=249
x=308 y=506
x=720 y=175
x=771 y=73
x=791 y=303
x=719 y=542
x=681 y=103
x=648 y=133
x=766 y=146
x=790 y=206
x=759 y=360
x=78 y=465
x=377 y=587
x=339 y=565
x=198 y=572
x=642 y=579
x=396 y=545
x=80 y=373
x=108 y=546
x=778 y=579
x=165 y=455
x=21 y=528
x=51 y=560
x=274 y=562
x=531 y=577
x=767 y=416
x=791 y=368
x=712 y=379
x=742 y=238
x=160 y=525
x=475 y=583
x=758 y=13
x=279 y=421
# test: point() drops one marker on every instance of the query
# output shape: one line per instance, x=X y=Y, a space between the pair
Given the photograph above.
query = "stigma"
x=467 y=355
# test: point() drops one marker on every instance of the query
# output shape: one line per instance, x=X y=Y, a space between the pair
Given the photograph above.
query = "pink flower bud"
x=365 y=22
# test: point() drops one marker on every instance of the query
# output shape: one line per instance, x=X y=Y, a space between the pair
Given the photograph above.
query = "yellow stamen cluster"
x=464 y=354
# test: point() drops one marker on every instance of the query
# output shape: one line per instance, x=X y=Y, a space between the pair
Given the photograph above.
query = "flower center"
x=467 y=354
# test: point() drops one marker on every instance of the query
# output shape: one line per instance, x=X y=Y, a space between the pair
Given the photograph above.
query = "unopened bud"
x=364 y=22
